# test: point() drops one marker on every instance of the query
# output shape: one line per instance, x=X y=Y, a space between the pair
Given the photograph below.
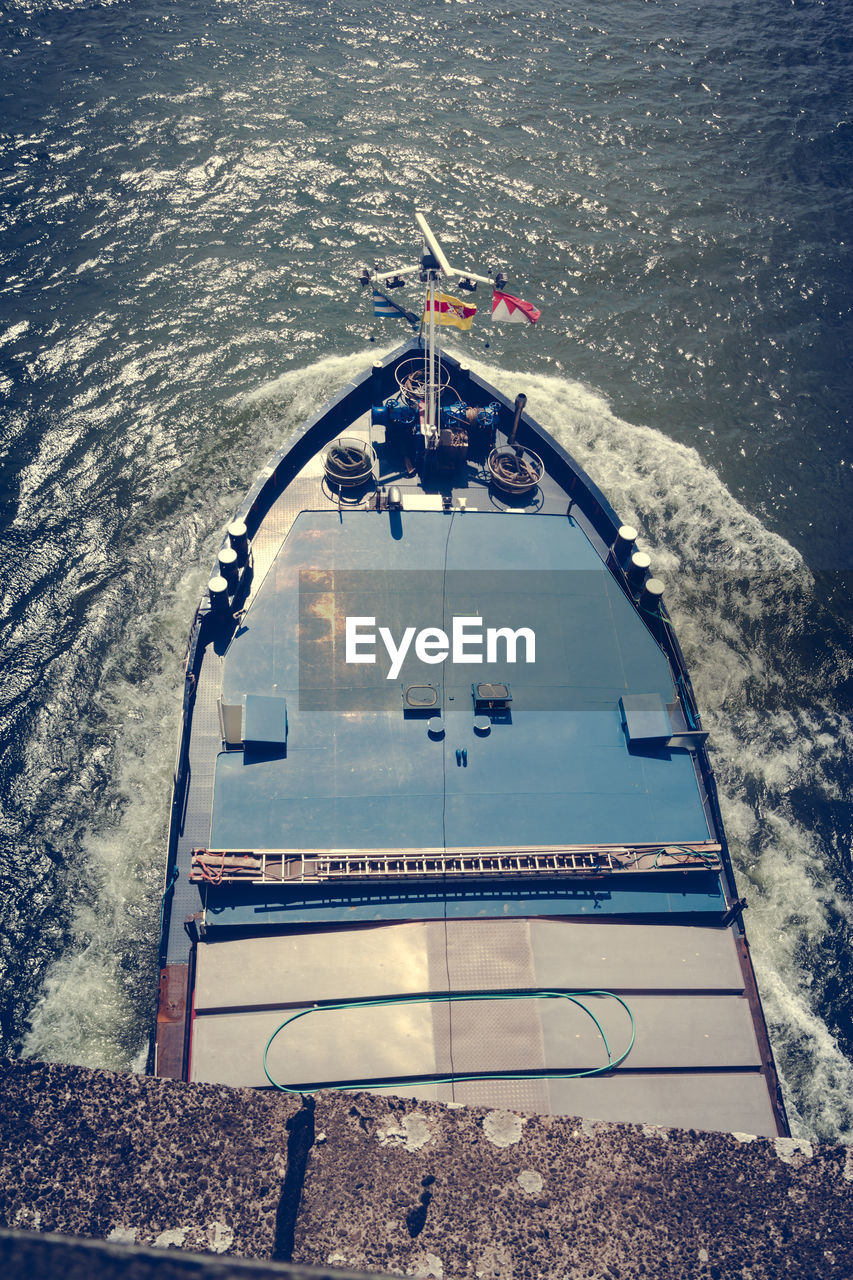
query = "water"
x=187 y=189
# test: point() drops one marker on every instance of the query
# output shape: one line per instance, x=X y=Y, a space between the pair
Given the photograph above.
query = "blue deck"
x=357 y=773
x=678 y=895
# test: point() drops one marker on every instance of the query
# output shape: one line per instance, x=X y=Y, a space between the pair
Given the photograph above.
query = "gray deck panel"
x=496 y=955
x=387 y=769
x=661 y=812
x=364 y=1043
x=671 y=1031
x=622 y=652
x=734 y=1102
x=513 y=954
x=706 y=1032
x=673 y=894
x=728 y=1101
x=483 y=542
x=344 y=796
x=326 y=965
x=625 y=957
x=253 y=812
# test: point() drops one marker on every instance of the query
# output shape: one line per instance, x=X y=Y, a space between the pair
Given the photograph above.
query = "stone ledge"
x=135 y=1159
x=388 y=1185
x=25 y=1255
x=441 y=1192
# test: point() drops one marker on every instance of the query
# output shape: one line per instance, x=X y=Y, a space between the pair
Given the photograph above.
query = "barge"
x=444 y=822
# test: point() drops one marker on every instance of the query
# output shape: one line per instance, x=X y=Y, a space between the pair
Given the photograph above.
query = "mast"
x=435 y=263
x=434 y=269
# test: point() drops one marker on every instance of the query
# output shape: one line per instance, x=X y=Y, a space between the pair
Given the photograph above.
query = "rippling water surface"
x=187 y=188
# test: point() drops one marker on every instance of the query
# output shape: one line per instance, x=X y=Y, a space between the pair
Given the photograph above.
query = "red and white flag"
x=513 y=310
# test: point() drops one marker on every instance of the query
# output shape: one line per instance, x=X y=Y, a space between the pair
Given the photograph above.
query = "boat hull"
x=445 y=913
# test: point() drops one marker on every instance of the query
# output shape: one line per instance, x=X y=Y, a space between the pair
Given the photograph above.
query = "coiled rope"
x=347 y=463
x=513 y=472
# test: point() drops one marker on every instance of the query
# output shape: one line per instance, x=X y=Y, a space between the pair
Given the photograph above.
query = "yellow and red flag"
x=450 y=310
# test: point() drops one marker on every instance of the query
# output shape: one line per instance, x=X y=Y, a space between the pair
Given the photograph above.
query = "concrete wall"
x=378 y=1184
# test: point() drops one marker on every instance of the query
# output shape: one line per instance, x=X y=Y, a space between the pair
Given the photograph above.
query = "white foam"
x=307 y=388
x=14 y=331
x=96 y=999
x=89 y=1008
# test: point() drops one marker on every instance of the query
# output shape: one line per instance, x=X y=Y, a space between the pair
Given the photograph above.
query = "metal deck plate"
x=735 y=1102
x=683 y=985
x=361 y=775
x=623 y=957
x=706 y=1032
x=316 y=966
x=334 y=964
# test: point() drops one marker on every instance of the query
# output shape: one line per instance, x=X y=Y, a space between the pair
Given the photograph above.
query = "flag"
x=513 y=310
x=450 y=310
x=383 y=306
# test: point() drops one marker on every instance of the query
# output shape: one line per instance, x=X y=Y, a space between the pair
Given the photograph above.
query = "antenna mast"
x=434 y=267
x=434 y=261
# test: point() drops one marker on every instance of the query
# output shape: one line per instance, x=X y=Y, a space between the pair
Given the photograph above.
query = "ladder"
x=301 y=866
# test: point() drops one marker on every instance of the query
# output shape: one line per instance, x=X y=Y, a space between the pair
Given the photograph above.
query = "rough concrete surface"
x=134 y=1159
x=378 y=1184
x=454 y=1193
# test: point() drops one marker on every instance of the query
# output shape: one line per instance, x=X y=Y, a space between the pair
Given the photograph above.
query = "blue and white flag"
x=383 y=306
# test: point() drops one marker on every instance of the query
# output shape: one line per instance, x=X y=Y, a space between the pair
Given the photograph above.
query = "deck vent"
x=491 y=697
x=420 y=697
x=645 y=717
x=231 y=722
x=650 y=723
x=265 y=721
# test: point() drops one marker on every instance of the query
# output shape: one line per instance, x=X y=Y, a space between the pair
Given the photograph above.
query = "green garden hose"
x=459 y=996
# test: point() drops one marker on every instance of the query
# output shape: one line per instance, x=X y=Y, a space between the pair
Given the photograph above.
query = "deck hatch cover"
x=420 y=697
x=370 y=765
x=492 y=697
